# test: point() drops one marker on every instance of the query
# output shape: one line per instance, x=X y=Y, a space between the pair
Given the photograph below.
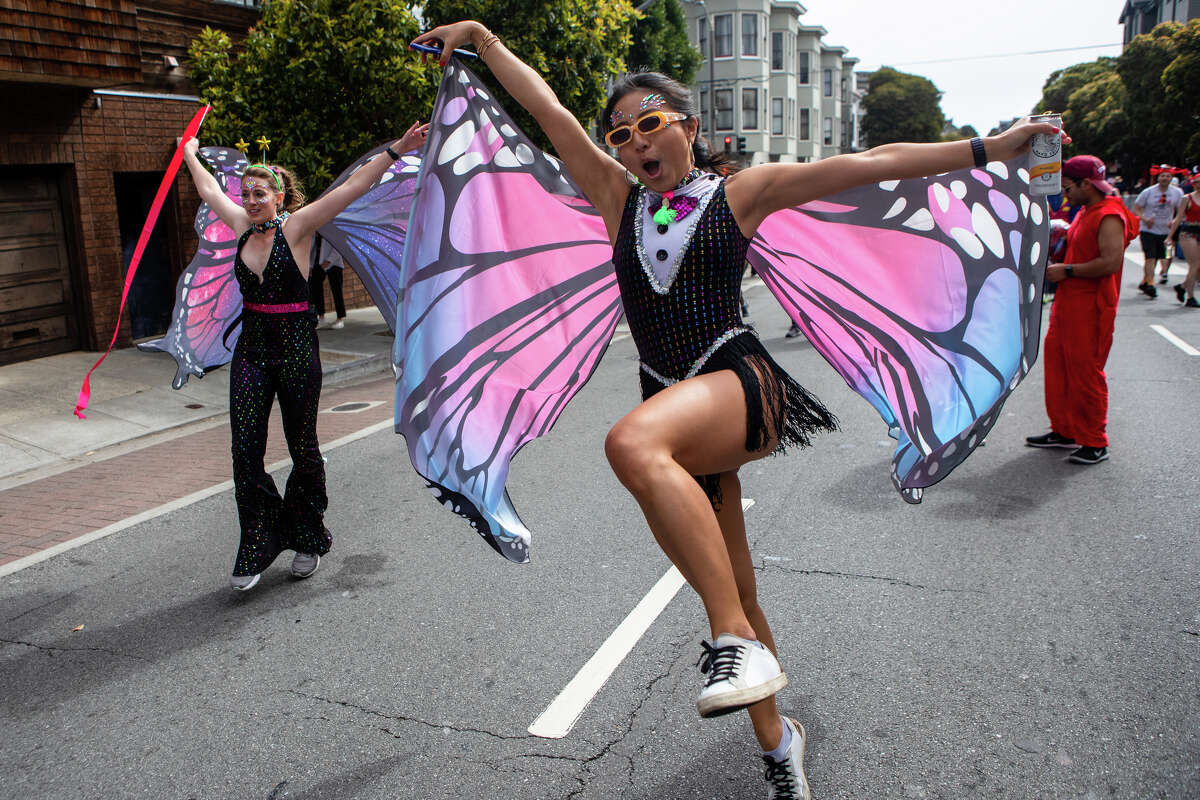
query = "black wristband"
x=1069 y=269
x=395 y=156
x=979 y=152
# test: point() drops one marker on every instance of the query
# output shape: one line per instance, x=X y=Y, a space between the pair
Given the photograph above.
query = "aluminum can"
x=1045 y=158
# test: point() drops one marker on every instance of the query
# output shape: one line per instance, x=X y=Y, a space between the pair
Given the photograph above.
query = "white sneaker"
x=785 y=778
x=305 y=564
x=740 y=673
x=337 y=326
x=244 y=583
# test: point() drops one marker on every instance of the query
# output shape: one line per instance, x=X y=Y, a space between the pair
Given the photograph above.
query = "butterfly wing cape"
x=509 y=300
x=925 y=295
x=208 y=303
x=369 y=233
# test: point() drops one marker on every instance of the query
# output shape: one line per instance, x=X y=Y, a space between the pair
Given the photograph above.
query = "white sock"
x=785 y=741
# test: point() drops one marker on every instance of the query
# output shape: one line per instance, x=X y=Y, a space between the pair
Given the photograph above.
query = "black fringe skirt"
x=777 y=407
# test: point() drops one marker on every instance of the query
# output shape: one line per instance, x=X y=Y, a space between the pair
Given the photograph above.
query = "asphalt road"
x=1032 y=630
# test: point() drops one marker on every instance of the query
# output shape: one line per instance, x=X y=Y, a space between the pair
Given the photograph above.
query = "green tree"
x=902 y=108
x=324 y=80
x=1181 y=87
x=660 y=43
x=1057 y=90
x=576 y=45
x=1156 y=129
x=1091 y=98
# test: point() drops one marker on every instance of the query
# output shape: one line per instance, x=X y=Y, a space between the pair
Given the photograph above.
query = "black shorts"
x=1154 y=245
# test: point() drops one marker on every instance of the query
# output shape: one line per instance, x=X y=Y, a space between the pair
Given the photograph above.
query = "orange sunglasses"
x=650 y=122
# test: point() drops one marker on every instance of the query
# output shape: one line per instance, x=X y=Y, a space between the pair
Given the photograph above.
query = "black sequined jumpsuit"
x=276 y=355
x=696 y=328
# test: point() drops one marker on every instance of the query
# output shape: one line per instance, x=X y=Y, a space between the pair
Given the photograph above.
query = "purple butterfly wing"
x=370 y=232
x=925 y=295
x=509 y=300
x=206 y=320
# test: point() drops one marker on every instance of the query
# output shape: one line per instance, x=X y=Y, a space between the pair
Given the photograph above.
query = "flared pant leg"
x=1076 y=350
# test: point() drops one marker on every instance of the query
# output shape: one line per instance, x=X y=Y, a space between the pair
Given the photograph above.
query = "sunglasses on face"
x=650 y=122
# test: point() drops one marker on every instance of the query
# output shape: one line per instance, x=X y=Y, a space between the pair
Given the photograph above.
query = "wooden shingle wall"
x=88 y=43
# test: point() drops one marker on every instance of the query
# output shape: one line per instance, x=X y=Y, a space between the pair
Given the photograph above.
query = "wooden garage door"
x=36 y=309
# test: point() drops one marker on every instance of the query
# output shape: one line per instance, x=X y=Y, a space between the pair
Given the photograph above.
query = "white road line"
x=166 y=508
x=1175 y=340
x=561 y=715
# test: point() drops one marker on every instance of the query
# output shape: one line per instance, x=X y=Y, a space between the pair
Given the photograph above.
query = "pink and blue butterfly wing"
x=925 y=295
x=509 y=300
x=206 y=320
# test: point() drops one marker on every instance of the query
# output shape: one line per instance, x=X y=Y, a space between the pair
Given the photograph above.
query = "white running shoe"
x=244 y=583
x=785 y=778
x=338 y=325
x=740 y=673
x=305 y=564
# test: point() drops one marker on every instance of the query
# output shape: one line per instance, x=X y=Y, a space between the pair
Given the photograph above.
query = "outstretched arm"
x=760 y=191
x=230 y=212
x=600 y=177
x=308 y=219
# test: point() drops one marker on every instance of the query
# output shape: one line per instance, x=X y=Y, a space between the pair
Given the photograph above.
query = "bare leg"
x=1148 y=270
x=764 y=715
x=1191 y=249
x=696 y=427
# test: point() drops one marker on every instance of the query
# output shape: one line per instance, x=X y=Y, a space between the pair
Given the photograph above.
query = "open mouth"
x=652 y=168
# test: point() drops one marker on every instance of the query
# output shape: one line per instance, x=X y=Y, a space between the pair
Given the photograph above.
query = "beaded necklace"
x=263 y=227
x=669 y=208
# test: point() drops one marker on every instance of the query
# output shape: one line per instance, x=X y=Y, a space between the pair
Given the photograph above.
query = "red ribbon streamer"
x=85 y=391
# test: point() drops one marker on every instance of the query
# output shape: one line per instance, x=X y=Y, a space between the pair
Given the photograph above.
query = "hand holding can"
x=1045 y=158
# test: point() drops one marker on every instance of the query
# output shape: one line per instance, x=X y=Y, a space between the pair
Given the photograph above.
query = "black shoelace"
x=719 y=663
x=782 y=779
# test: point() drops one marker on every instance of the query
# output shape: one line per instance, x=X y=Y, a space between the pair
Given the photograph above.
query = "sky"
x=975 y=91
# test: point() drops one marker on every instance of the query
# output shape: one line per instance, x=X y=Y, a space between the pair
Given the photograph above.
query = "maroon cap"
x=1090 y=169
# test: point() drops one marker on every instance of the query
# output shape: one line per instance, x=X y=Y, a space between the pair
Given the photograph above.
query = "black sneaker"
x=1162 y=280
x=1089 y=455
x=793 y=331
x=1180 y=293
x=1148 y=289
x=1050 y=439
x=1191 y=303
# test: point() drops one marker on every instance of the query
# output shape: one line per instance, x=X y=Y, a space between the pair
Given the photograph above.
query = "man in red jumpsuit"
x=1084 y=311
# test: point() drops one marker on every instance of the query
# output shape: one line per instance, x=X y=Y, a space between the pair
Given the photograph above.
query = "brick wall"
x=66 y=129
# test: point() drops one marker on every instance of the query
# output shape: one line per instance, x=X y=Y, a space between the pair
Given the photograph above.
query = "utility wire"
x=1005 y=55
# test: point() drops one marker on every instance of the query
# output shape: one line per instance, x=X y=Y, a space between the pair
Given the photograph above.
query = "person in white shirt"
x=1156 y=206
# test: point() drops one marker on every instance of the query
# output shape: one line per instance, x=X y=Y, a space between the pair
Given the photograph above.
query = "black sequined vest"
x=676 y=332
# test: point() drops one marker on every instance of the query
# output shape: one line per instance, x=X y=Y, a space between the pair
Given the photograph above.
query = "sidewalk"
x=133 y=405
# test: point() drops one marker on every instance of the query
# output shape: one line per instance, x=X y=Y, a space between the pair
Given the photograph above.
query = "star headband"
x=264 y=145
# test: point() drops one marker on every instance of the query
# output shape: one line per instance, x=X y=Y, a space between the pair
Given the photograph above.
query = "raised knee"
x=630 y=453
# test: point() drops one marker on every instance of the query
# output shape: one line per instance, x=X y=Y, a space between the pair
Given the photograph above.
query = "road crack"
x=441 y=726
x=50 y=649
x=864 y=577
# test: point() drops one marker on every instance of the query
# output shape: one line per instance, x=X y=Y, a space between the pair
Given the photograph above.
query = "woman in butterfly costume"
x=277 y=356
x=714 y=399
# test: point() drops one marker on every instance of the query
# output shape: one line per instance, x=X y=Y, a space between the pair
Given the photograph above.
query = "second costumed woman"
x=277 y=355
x=713 y=399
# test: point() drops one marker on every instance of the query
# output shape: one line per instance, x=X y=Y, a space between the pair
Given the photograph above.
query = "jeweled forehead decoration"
x=652 y=101
x=251 y=183
x=614 y=119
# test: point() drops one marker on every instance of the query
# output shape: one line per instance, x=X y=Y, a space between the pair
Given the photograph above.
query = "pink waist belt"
x=276 y=308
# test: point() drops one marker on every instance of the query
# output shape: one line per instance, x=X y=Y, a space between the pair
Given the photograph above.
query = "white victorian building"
x=779 y=91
